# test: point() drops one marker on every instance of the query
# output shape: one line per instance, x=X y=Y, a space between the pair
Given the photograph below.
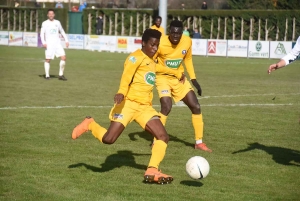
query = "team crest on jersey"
x=173 y=63
x=150 y=78
x=183 y=51
x=118 y=116
x=132 y=59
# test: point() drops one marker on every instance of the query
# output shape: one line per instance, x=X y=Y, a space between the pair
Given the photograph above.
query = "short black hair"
x=176 y=23
x=50 y=10
x=150 y=33
x=158 y=17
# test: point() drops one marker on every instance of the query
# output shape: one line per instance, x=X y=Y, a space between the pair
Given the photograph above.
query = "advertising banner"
x=199 y=46
x=108 y=43
x=134 y=43
x=258 y=49
x=15 y=38
x=122 y=44
x=76 y=41
x=92 y=42
x=30 y=39
x=279 y=49
x=237 y=48
x=3 y=37
x=217 y=47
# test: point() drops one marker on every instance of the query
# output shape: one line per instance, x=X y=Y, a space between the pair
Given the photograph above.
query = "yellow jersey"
x=139 y=76
x=160 y=29
x=172 y=56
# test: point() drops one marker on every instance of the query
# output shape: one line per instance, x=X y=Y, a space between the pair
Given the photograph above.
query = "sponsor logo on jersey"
x=212 y=46
x=164 y=91
x=52 y=31
x=280 y=50
x=183 y=51
x=150 y=78
x=258 y=46
x=173 y=63
x=132 y=59
x=118 y=116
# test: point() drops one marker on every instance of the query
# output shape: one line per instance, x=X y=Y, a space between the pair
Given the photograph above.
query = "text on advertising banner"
x=199 y=46
x=15 y=38
x=217 y=47
x=258 y=49
x=237 y=48
x=279 y=49
x=30 y=39
x=3 y=37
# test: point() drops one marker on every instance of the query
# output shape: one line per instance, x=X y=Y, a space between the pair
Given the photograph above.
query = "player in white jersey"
x=50 y=38
x=289 y=58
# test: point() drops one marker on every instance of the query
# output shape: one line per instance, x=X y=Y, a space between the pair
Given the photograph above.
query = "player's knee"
x=108 y=140
x=166 y=107
x=47 y=60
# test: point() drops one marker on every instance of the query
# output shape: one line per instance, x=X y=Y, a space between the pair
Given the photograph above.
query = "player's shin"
x=47 y=69
x=158 y=153
x=198 y=125
x=163 y=118
x=62 y=65
x=97 y=130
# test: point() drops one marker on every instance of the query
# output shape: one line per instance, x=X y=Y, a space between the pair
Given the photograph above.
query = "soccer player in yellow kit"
x=133 y=102
x=175 y=49
x=156 y=26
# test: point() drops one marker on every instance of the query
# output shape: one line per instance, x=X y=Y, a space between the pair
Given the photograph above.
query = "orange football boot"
x=82 y=127
x=154 y=175
x=203 y=147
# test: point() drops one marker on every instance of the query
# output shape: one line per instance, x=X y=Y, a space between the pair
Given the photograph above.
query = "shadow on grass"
x=121 y=158
x=194 y=183
x=147 y=136
x=51 y=76
x=280 y=155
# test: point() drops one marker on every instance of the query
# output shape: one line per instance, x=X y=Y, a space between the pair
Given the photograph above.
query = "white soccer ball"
x=197 y=167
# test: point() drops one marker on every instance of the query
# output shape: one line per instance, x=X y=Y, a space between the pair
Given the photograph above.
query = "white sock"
x=61 y=67
x=47 y=69
x=198 y=141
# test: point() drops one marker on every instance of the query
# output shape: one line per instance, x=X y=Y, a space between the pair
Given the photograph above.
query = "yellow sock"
x=97 y=130
x=158 y=153
x=198 y=125
x=163 y=119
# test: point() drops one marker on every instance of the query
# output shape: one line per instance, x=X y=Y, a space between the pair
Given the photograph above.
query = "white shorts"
x=52 y=51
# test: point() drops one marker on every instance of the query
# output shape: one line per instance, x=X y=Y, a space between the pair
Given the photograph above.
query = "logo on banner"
x=137 y=41
x=150 y=78
x=212 y=47
x=280 y=49
x=122 y=43
x=258 y=46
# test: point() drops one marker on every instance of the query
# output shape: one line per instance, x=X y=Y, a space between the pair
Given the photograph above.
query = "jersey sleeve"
x=42 y=34
x=169 y=71
x=188 y=61
x=62 y=32
x=293 y=54
x=130 y=66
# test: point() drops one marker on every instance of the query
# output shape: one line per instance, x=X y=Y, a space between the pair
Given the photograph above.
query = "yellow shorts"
x=129 y=111
x=172 y=87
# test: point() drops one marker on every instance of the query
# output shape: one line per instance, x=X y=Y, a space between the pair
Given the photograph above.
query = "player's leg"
x=108 y=136
x=60 y=52
x=49 y=54
x=191 y=101
x=149 y=120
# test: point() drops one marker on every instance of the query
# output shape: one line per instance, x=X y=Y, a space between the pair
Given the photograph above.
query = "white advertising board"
x=15 y=38
x=134 y=43
x=199 y=46
x=76 y=41
x=108 y=43
x=30 y=39
x=3 y=37
x=258 y=49
x=216 y=47
x=237 y=48
x=279 y=49
x=92 y=42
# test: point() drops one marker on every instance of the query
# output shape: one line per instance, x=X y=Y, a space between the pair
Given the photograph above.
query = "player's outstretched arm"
x=42 y=35
x=276 y=66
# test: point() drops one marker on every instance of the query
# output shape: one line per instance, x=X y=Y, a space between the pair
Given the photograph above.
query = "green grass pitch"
x=251 y=124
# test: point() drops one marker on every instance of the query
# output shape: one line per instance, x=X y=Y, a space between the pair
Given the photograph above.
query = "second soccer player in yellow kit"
x=175 y=49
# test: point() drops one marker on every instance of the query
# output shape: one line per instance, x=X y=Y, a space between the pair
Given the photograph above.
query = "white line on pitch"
x=109 y=106
x=247 y=95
